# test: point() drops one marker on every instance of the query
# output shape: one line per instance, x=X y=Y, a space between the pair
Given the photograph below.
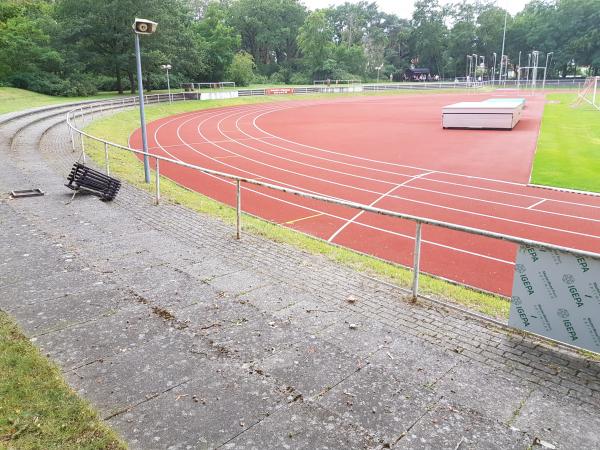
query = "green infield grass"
x=568 y=150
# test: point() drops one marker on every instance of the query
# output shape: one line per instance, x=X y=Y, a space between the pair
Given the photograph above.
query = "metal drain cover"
x=27 y=193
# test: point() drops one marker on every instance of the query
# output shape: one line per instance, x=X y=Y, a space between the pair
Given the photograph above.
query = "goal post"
x=589 y=93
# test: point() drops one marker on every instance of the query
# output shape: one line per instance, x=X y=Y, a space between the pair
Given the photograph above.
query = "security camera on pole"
x=142 y=26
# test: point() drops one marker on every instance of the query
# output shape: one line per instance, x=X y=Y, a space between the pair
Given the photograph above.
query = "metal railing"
x=238 y=181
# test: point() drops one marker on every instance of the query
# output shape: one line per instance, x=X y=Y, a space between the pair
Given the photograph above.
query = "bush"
x=259 y=79
x=78 y=85
x=300 y=78
x=241 y=69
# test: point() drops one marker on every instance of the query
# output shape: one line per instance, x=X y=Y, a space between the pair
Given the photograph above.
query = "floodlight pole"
x=494 y=71
x=468 y=67
x=138 y=60
x=519 y=72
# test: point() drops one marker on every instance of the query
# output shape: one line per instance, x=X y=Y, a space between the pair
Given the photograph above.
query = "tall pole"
x=546 y=69
x=142 y=113
x=519 y=72
x=468 y=67
x=494 y=72
x=503 y=42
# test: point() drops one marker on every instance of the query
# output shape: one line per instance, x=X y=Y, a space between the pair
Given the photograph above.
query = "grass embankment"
x=37 y=408
x=124 y=165
x=13 y=99
x=568 y=150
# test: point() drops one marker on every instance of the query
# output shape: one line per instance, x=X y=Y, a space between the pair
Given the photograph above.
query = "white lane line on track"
x=542 y=201
x=488 y=216
x=360 y=213
x=272 y=136
x=383 y=230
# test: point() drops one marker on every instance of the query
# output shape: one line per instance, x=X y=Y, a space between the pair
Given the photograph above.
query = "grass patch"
x=124 y=165
x=568 y=150
x=13 y=99
x=37 y=408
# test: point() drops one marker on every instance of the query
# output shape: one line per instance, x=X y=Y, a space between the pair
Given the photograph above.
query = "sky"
x=404 y=8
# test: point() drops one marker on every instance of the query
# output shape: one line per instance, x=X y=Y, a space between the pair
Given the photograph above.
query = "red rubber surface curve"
x=389 y=152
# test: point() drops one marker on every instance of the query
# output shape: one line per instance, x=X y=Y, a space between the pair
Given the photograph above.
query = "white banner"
x=557 y=295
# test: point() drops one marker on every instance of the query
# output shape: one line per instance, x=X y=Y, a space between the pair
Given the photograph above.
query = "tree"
x=241 y=70
x=429 y=34
x=268 y=29
x=315 y=40
x=218 y=40
x=100 y=34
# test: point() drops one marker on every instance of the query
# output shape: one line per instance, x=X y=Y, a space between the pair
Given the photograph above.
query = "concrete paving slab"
x=303 y=426
x=254 y=338
x=113 y=333
x=558 y=421
x=57 y=284
x=311 y=367
x=476 y=387
x=63 y=312
x=374 y=399
x=450 y=427
x=220 y=404
x=123 y=380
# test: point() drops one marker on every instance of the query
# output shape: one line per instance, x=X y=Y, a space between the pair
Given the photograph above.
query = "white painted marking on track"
x=542 y=201
x=360 y=213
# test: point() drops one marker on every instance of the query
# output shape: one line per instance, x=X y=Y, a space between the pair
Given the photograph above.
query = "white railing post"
x=82 y=148
x=106 y=165
x=157 y=180
x=238 y=209
x=416 y=262
x=72 y=139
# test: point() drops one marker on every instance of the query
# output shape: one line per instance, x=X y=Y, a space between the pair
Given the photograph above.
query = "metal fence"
x=99 y=107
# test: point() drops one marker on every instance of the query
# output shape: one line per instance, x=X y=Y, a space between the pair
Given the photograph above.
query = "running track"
x=388 y=152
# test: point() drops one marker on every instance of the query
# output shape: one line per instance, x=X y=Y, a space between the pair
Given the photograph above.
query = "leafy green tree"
x=429 y=34
x=218 y=40
x=268 y=29
x=100 y=34
x=241 y=69
x=315 y=40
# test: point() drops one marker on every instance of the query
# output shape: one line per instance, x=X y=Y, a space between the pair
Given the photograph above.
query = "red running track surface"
x=392 y=153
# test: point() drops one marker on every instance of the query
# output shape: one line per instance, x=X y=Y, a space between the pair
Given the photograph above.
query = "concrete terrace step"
x=183 y=337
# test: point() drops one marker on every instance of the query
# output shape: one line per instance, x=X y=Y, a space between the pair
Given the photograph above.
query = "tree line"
x=77 y=47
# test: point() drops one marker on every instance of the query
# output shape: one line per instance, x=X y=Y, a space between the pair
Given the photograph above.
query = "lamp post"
x=142 y=26
x=378 y=70
x=470 y=63
x=494 y=71
x=168 y=67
